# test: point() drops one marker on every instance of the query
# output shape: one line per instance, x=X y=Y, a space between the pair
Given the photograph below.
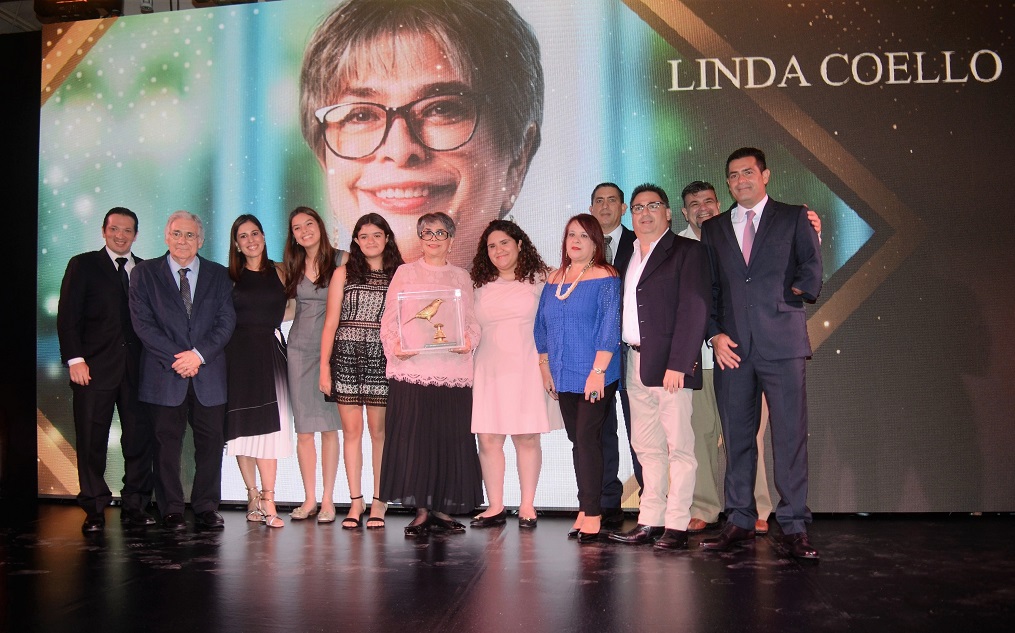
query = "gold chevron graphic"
x=64 y=46
x=58 y=466
x=678 y=25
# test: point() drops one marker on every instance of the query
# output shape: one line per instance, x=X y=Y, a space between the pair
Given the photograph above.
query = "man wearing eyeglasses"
x=182 y=309
x=766 y=262
x=666 y=295
x=414 y=108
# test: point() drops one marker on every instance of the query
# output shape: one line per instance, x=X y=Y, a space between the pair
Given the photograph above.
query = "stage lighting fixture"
x=49 y=11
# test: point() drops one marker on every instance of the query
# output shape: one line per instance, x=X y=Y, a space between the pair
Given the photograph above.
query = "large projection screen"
x=892 y=120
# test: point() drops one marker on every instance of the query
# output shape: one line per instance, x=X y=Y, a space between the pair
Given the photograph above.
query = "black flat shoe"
x=421 y=529
x=448 y=525
x=527 y=524
x=491 y=521
x=589 y=537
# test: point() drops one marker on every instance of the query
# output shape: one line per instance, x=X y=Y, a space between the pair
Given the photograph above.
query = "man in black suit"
x=766 y=261
x=182 y=308
x=98 y=343
x=666 y=298
x=608 y=208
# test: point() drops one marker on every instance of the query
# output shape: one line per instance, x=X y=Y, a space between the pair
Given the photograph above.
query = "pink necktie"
x=748 y=236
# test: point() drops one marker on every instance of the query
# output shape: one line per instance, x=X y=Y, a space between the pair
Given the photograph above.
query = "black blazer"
x=93 y=321
x=625 y=248
x=754 y=305
x=673 y=295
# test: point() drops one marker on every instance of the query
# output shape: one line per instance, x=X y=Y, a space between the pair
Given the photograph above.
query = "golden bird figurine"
x=429 y=311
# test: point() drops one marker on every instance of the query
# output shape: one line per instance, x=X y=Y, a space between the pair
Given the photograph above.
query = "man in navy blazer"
x=666 y=298
x=766 y=262
x=102 y=352
x=182 y=308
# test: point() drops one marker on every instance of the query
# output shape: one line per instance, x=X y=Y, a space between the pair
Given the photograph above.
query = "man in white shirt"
x=666 y=297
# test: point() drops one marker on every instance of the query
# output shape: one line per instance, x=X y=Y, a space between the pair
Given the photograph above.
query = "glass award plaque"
x=430 y=320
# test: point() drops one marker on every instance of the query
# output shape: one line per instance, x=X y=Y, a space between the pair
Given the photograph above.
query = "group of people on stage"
x=425 y=117
x=539 y=348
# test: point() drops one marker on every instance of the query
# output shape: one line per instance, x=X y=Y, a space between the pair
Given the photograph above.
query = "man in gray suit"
x=182 y=309
x=766 y=261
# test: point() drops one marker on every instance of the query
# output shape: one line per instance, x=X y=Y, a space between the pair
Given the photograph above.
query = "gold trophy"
x=428 y=314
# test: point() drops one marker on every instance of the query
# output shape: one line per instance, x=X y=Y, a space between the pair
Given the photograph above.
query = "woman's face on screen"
x=404 y=179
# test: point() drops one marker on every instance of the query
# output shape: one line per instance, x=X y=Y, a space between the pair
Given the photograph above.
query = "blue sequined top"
x=573 y=330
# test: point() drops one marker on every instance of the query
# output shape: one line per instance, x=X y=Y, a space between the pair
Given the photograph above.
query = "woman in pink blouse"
x=430 y=460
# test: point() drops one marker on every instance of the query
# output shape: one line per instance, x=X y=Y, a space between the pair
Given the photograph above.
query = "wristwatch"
x=598 y=371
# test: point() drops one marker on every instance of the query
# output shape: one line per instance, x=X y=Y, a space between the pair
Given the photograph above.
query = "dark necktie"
x=609 y=250
x=188 y=302
x=121 y=267
x=749 y=236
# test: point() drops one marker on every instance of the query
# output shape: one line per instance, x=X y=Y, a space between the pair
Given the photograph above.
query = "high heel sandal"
x=378 y=522
x=271 y=520
x=254 y=514
x=350 y=523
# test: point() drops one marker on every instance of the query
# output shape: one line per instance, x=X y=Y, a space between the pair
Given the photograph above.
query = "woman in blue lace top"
x=577 y=336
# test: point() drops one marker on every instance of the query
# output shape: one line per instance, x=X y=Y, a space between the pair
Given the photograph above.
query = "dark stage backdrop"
x=892 y=120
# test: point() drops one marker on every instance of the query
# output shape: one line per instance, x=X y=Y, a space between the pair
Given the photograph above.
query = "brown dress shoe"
x=798 y=546
x=761 y=527
x=731 y=535
x=695 y=526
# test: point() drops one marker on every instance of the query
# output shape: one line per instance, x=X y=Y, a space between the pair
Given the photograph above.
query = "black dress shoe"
x=729 y=536
x=449 y=525
x=491 y=521
x=136 y=518
x=573 y=533
x=798 y=546
x=640 y=535
x=174 y=521
x=613 y=518
x=672 y=539
x=526 y=523
x=210 y=520
x=590 y=537
x=93 y=524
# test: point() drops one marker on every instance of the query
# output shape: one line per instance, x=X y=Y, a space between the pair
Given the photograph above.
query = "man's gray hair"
x=186 y=215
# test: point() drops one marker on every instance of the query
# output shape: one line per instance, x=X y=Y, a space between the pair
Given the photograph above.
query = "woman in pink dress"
x=508 y=396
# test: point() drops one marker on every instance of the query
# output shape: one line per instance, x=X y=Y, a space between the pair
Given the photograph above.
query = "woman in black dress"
x=352 y=358
x=258 y=427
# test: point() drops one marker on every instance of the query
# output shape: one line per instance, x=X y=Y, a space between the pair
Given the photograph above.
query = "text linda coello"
x=837 y=69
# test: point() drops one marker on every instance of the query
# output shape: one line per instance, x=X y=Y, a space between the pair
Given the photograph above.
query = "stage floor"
x=876 y=574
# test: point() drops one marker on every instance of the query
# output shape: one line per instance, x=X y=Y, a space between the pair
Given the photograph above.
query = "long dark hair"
x=237 y=261
x=529 y=264
x=356 y=268
x=591 y=226
x=294 y=258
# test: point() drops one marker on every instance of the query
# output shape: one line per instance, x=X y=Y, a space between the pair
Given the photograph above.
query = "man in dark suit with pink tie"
x=182 y=309
x=766 y=262
x=98 y=343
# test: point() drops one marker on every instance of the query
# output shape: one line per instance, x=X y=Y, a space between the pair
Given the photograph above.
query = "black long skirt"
x=430 y=459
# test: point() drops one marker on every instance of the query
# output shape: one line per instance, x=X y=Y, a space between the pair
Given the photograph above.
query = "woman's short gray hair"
x=436 y=218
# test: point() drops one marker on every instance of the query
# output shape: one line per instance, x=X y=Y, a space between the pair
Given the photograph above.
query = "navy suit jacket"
x=754 y=304
x=673 y=296
x=93 y=321
x=160 y=320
